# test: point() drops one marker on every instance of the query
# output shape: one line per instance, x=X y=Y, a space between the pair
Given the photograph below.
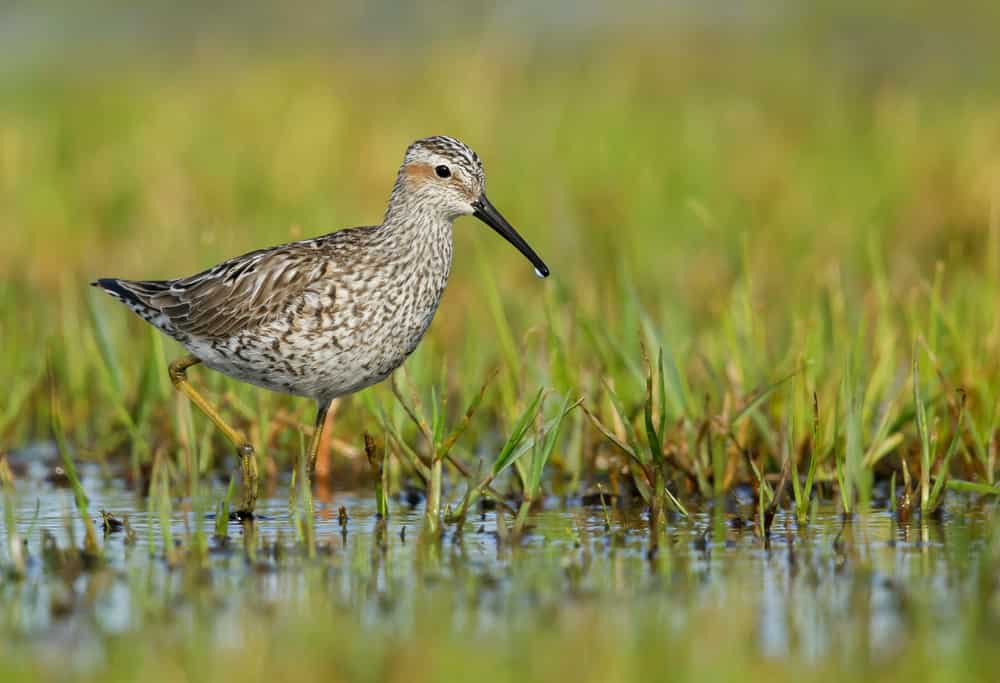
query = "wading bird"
x=331 y=315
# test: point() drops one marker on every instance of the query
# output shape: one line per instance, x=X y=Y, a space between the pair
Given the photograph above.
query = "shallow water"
x=811 y=589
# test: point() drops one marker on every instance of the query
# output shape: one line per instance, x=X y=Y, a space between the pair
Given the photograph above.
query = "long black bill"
x=488 y=214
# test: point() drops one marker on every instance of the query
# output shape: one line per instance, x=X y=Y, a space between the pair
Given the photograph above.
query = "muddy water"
x=812 y=588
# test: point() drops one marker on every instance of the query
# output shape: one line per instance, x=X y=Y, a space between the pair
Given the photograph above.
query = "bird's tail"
x=118 y=290
x=138 y=295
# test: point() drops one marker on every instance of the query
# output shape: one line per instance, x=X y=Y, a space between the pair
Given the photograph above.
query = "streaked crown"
x=444 y=148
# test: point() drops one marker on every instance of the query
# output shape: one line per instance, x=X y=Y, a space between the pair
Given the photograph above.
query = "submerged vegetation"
x=748 y=427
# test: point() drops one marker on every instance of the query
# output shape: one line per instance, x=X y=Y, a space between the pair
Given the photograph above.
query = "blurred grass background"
x=758 y=186
x=763 y=185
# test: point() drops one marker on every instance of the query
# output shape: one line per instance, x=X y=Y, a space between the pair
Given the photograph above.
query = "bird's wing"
x=239 y=294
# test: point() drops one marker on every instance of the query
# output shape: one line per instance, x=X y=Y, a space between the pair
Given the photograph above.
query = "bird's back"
x=319 y=317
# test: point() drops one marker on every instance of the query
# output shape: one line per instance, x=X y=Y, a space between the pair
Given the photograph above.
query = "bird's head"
x=442 y=176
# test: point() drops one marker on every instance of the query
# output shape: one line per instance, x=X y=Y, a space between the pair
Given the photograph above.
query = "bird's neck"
x=415 y=219
x=417 y=237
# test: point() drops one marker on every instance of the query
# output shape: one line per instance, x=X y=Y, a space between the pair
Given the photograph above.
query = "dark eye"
x=443 y=172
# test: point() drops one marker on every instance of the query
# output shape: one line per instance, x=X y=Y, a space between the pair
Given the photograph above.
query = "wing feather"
x=239 y=294
x=248 y=291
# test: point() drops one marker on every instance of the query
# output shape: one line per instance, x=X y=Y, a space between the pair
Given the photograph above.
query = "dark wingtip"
x=113 y=286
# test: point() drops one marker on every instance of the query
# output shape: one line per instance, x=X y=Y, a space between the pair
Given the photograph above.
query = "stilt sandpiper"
x=327 y=316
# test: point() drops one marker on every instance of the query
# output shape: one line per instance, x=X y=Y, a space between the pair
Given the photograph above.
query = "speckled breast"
x=342 y=336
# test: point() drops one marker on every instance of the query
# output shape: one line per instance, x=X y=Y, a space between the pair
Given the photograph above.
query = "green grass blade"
x=630 y=434
x=925 y=441
x=507 y=453
x=551 y=435
x=759 y=398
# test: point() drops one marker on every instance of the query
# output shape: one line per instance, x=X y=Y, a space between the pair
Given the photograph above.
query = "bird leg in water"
x=317 y=437
x=244 y=450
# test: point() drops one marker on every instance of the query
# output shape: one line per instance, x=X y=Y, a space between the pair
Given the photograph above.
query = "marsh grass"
x=531 y=468
x=769 y=273
x=301 y=503
x=91 y=547
x=844 y=330
x=16 y=560
x=440 y=440
x=376 y=460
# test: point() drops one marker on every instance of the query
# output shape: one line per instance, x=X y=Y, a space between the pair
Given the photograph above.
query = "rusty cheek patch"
x=419 y=173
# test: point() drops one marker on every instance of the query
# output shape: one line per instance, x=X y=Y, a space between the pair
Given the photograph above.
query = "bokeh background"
x=782 y=160
x=796 y=202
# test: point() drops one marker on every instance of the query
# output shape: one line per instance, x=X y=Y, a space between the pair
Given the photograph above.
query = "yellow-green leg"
x=244 y=450
x=324 y=408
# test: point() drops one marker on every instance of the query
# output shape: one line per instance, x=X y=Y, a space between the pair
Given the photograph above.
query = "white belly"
x=323 y=357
